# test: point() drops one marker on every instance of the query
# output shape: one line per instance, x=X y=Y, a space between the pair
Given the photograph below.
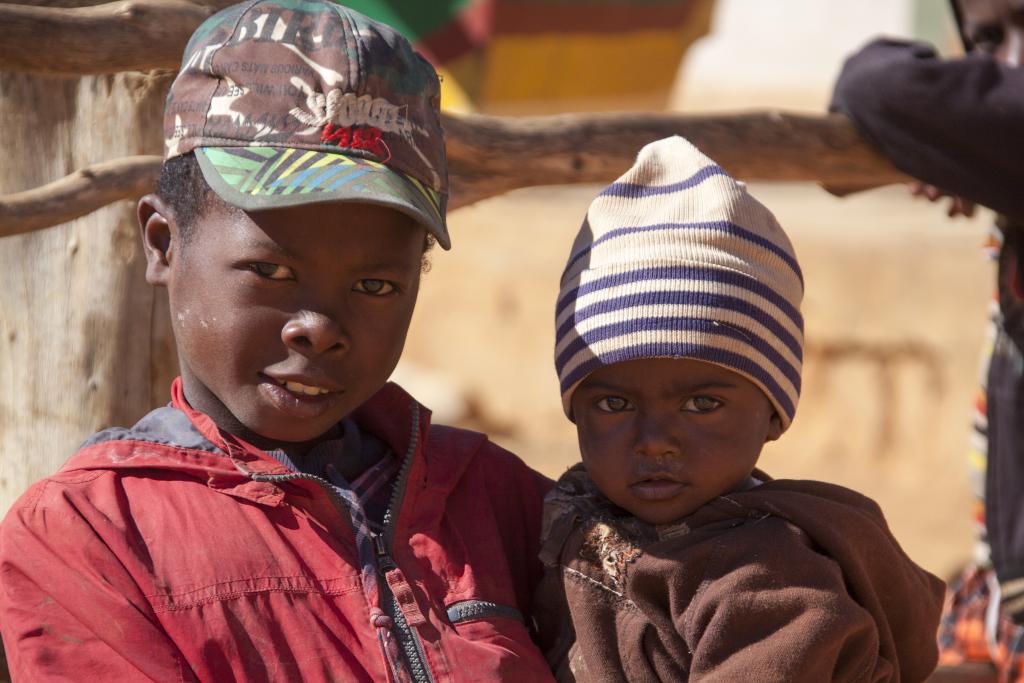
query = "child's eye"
x=614 y=404
x=701 y=404
x=988 y=37
x=374 y=287
x=272 y=271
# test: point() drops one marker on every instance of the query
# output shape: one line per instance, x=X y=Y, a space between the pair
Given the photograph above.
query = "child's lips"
x=654 y=490
x=298 y=399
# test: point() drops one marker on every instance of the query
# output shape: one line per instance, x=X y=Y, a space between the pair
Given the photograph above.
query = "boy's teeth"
x=303 y=389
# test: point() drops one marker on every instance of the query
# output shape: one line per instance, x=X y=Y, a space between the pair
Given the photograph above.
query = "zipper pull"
x=384 y=561
x=400 y=588
x=402 y=591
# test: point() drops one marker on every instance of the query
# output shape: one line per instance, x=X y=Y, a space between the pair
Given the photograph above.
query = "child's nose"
x=312 y=332
x=1011 y=52
x=657 y=436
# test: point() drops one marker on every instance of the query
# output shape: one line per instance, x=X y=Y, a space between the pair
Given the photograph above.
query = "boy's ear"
x=774 y=428
x=155 y=223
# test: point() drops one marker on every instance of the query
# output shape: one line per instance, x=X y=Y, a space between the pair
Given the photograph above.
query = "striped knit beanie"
x=676 y=260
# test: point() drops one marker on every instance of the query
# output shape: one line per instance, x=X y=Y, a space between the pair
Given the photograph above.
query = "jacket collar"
x=224 y=460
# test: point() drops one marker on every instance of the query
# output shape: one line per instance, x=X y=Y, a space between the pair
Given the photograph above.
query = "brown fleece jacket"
x=788 y=581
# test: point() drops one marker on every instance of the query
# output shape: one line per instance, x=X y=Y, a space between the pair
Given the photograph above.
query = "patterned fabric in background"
x=982 y=617
x=558 y=55
x=974 y=629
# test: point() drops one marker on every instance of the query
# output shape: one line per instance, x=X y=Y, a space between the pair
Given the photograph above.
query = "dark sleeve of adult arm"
x=956 y=124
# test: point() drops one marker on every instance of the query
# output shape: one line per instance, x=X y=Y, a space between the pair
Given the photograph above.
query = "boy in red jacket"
x=289 y=516
x=679 y=344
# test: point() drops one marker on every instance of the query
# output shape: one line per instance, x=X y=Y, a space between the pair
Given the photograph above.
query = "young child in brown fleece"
x=669 y=556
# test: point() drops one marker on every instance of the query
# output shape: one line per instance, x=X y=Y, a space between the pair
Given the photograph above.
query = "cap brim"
x=257 y=178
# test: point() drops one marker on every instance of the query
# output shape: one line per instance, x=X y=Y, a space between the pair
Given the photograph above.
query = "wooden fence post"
x=84 y=342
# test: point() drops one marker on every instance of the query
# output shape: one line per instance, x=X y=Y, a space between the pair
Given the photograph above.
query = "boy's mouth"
x=307 y=388
x=301 y=400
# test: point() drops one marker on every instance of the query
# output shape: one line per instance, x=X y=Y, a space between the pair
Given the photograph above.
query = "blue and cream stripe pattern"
x=676 y=260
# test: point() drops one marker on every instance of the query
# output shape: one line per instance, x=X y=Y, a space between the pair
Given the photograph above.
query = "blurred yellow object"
x=453 y=98
x=582 y=55
x=541 y=56
x=582 y=67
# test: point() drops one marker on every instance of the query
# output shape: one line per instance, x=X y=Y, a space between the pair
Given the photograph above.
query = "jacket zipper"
x=469 y=610
x=408 y=638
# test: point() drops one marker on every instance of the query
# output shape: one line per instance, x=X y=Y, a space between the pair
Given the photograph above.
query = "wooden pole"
x=491 y=155
x=84 y=343
x=129 y=35
x=78 y=194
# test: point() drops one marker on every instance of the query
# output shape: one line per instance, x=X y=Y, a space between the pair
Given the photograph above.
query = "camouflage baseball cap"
x=290 y=102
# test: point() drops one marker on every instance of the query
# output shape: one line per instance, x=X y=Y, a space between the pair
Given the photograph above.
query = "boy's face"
x=288 y=319
x=662 y=436
x=995 y=26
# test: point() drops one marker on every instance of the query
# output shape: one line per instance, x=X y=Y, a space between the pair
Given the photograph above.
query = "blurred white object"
x=784 y=53
x=442 y=393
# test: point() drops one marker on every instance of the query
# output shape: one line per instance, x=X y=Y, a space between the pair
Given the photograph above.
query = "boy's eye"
x=374 y=287
x=988 y=37
x=701 y=404
x=613 y=404
x=272 y=271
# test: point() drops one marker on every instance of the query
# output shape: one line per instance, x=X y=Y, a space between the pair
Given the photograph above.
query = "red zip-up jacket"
x=174 y=552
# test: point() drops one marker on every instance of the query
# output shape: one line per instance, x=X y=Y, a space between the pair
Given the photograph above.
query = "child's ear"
x=155 y=224
x=774 y=428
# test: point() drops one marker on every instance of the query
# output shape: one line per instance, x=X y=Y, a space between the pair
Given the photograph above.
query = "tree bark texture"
x=491 y=155
x=109 y=38
x=85 y=343
x=78 y=194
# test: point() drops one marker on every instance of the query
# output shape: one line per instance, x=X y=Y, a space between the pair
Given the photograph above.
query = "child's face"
x=995 y=26
x=662 y=436
x=288 y=319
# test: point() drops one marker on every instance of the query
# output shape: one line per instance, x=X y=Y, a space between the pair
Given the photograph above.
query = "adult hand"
x=958 y=206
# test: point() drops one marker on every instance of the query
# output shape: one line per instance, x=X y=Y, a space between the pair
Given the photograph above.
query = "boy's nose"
x=657 y=436
x=311 y=332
